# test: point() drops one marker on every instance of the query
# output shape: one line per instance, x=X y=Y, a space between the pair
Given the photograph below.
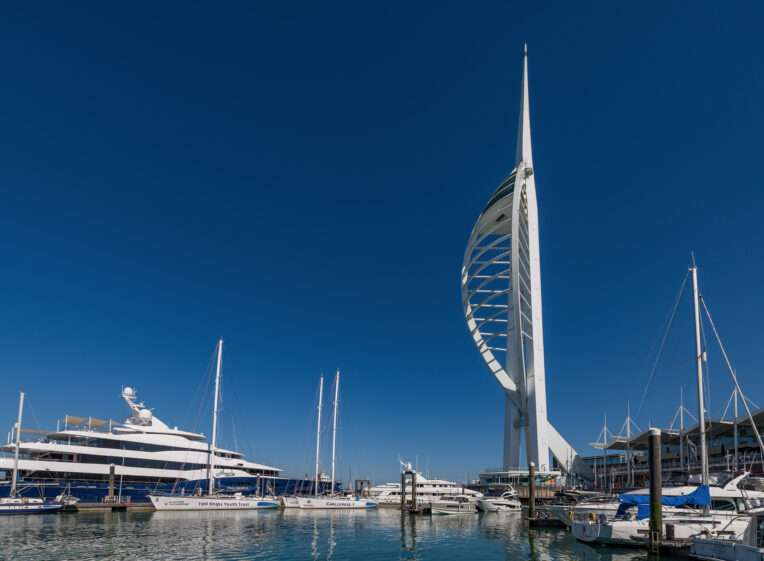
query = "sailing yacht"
x=212 y=500
x=330 y=501
x=629 y=529
x=14 y=504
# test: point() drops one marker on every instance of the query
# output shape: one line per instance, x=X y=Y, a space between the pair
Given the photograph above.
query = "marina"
x=346 y=212
x=291 y=534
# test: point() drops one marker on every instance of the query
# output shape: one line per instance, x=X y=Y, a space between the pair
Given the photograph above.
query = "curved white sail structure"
x=501 y=294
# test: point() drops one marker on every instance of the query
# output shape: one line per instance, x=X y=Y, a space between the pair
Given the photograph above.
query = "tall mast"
x=18 y=445
x=737 y=463
x=604 y=452
x=215 y=417
x=681 y=429
x=628 y=443
x=699 y=363
x=334 y=429
x=318 y=425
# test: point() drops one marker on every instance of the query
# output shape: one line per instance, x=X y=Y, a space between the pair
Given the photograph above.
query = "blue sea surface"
x=290 y=534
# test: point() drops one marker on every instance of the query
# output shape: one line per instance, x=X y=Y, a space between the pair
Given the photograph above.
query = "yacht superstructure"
x=147 y=455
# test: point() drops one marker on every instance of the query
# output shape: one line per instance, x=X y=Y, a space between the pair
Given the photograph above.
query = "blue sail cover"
x=700 y=497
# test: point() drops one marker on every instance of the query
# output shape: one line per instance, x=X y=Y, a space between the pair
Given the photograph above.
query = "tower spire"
x=524 y=153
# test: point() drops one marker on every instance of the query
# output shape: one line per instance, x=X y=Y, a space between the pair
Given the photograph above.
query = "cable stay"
x=671 y=316
x=734 y=376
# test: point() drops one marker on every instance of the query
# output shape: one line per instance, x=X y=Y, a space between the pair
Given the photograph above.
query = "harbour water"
x=290 y=534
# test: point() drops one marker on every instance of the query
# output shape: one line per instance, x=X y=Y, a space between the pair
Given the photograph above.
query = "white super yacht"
x=427 y=490
x=147 y=456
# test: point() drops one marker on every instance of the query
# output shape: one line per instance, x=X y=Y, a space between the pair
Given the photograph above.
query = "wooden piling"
x=413 y=491
x=656 y=514
x=403 y=490
x=111 y=483
x=531 y=490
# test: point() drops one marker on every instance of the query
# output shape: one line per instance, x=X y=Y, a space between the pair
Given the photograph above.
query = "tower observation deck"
x=501 y=295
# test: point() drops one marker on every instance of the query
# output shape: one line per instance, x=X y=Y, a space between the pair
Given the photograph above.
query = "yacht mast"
x=318 y=425
x=334 y=429
x=699 y=357
x=681 y=429
x=737 y=463
x=18 y=444
x=628 y=443
x=215 y=417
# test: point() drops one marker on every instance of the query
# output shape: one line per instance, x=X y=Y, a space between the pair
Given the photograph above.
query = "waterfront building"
x=680 y=453
x=501 y=296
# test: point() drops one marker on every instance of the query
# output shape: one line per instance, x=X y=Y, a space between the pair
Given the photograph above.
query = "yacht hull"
x=488 y=505
x=637 y=532
x=28 y=508
x=163 y=503
x=715 y=550
x=335 y=502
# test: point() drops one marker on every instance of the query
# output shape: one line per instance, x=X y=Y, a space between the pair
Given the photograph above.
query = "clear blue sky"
x=303 y=179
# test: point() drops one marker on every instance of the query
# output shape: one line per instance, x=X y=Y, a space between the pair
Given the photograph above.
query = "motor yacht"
x=427 y=490
x=454 y=504
x=147 y=455
x=499 y=500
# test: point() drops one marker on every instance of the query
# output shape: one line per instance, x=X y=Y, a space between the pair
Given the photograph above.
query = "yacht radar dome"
x=145 y=415
x=129 y=392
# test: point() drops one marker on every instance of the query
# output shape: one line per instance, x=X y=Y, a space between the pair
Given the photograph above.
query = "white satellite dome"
x=129 y=392
x=145 y=415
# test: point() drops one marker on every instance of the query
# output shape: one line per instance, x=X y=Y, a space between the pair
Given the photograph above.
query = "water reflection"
x=290 y=534
x=549 y=544
x=408 y=537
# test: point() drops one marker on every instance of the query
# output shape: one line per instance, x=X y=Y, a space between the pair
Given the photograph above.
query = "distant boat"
x=211 y=500
x=14 y=504
x=427 y=490
x=454 y=504
x=502 y=500
x=332 y=501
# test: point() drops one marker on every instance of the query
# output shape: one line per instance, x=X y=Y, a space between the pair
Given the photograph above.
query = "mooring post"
x=111 y=483
x=413 y=490
x=656 y=514
x=403 y=490
x=531 y=490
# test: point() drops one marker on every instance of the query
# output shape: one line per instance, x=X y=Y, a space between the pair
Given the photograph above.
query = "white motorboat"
x=724 y=547
x=498 y=501
x=454 y=504
x=212 y=500
x=15 y=504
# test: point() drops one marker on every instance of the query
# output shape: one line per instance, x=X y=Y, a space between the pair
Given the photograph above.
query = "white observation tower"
x=501 y=294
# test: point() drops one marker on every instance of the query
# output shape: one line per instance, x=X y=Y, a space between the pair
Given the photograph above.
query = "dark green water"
x=289 y=535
